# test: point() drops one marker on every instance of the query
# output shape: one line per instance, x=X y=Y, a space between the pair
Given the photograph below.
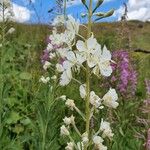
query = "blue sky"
x=37 y=12
x=39 y=9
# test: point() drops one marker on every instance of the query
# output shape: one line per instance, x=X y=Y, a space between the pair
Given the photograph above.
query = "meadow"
x=25 y=121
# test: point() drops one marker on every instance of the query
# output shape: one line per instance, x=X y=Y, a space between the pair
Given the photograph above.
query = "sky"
x=36 y=11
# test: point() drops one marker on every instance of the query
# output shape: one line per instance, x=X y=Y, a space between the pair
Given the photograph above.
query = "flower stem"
x=87 y=101
x=65 y=7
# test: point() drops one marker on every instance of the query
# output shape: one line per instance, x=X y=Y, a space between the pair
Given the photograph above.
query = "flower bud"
x=46 y=65
x=85 y=138
x=63 y=97
x=54 y=77
x=64 y=130
x=70 y=103
x=109 y=13
x=69 y=146
x=69 y=120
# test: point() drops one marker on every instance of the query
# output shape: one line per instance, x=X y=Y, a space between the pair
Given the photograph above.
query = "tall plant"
x=70 y=58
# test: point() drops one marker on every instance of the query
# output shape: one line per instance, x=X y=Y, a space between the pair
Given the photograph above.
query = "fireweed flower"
x=61 y=56
x=124 y=76
x=105 y=128
x=69 y=120
x=70 y=103
x=64 y=131
x=98 y=141
x=95 y=100
x=148 y=140
x=147 y=83
x=85 y=138
x=110 y=99
x=70 y=146
x=95 y=57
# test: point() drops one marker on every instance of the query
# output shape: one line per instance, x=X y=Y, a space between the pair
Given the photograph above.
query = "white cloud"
x=137 y=10
x=19 y=13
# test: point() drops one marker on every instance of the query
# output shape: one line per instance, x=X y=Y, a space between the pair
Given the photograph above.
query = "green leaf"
x=25 y=76
x=25 y=121
x=13 y=118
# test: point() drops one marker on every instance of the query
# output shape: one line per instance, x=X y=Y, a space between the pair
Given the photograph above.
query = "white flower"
x=64 y=130
x=49 y=47
x=105 y=127
x=102 y=60
x=110 y=99
x=98 y=141
x=44 y=80
x=69 y=120
x=82 y=90
x=75 y=58
x=59 y=20
x=66 y=77
x=46 y=65
x=63 y=52
x=67 y=74
x=59 y=68
x=87 y=49
x=85 y=138
x=95 y=100
x=70 y=146
x=72 y=24
x=70 y=103
x=104 y=64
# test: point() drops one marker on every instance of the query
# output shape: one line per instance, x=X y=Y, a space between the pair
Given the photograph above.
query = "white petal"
x=91 y=43
x=71 y=56
x=82 y=90
x=91 y=62
x=106 y=54
x=81 y=46
x=67 y=65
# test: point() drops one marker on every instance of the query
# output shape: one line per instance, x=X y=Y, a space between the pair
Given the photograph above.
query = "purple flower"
x=148 y=140
x=124 y=73
x=45 y=56
x=147 y=83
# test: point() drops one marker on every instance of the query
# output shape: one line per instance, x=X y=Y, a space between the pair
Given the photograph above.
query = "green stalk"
x=87 y=101
x=65 y=7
